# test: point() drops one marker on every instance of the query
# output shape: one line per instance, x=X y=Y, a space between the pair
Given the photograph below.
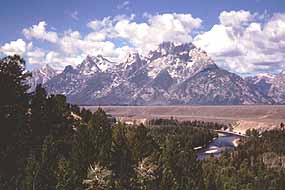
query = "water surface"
x=218 y=145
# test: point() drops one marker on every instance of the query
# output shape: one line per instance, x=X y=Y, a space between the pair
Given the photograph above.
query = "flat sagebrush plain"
x=242 y=117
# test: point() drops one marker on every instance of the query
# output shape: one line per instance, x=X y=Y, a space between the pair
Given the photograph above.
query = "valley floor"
x=241 y=117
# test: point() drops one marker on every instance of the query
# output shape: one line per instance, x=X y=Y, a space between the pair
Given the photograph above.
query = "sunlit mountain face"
x=171 y=74
x=141 y=53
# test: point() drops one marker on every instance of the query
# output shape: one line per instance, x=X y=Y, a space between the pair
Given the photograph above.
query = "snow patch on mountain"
x=41 y=76
x=171 y=74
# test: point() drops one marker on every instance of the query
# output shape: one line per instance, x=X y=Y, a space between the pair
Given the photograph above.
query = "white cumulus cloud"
x=243 y=42
x=14 y=47
x=58 y=61
x=73 y=43
x=235 y=18
x=256 y=46
x=36 y=56
x=147 y=35
x=39 y=32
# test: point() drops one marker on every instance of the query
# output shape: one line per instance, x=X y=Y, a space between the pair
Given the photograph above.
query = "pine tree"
x=98 y=178
x=122 y=162
x=103 y=131
x=39 y=118
x=14 y=130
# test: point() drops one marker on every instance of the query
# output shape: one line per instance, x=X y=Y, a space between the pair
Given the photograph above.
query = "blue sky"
x=18 y=14
x=201 y=21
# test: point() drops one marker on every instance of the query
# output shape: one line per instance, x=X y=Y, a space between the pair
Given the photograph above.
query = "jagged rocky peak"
x=170 y=48
x=200 y=55
x=89 y=66
x=183 y=49
x=180 y=60
x=41 y=76
x=103 y=63
x=44 y=73
x=69 y=69
x=282 y=72
x=171 y=74
x=47 y=69
x=95 y=64
x=132 y=57
x=261 y=82
x=187 y=52
x=277 y=89
x=279 y=79
x=133 y=63
x=266 y=75
x=165 y=48
x=200 y=60
x=260 y=78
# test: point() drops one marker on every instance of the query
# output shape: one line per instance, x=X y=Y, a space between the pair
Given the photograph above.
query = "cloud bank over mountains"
x=246 y=43
x=242 y=41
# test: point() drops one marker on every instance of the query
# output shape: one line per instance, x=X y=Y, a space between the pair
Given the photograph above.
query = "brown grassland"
x=242 y=117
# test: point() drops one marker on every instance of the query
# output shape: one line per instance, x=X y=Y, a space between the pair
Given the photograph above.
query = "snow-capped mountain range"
x=172 y=74
x=41 y=76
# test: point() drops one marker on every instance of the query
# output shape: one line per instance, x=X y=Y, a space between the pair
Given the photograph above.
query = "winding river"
x=224 y=141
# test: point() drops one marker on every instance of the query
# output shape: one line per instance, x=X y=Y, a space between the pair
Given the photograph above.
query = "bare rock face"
x=41 y=76
x=277 y=89
x=172 y=74
x=261 y=82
